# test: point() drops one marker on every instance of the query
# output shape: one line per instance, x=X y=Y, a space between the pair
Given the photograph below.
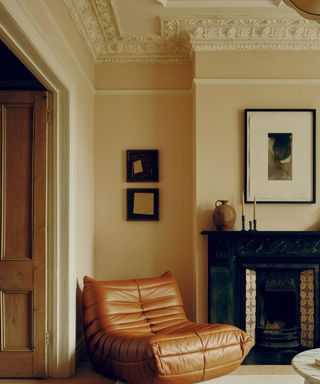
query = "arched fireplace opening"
x=278 y=313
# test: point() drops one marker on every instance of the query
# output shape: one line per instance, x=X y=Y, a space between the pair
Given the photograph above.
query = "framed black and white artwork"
x=280 y=155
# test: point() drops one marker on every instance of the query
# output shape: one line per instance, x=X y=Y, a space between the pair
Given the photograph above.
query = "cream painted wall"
x=143 y=76
x=65 y=38
x=144 y=120
x=257 y=65
x=219 y=127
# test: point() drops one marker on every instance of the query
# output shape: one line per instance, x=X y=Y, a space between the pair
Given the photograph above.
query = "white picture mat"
x=259 y=125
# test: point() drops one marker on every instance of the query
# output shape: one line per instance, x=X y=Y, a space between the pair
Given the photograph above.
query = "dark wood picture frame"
x=142 y=204
x=294 y=130
x=142 y=165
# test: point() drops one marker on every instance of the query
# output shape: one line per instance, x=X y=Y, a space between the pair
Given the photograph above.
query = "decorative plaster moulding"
x=181 y=35
x=219 y=3
x=96 y=23
x=212 y=33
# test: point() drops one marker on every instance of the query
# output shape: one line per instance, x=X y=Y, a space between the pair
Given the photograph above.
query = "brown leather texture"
x=137 y=331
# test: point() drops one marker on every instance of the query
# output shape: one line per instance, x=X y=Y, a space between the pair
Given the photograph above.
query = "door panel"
x=23 y=234
x=17 y=330
x=16 y=275
x=17 y=151
x=9 y=367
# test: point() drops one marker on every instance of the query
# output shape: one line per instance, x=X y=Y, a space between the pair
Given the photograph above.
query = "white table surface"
x=305 y=366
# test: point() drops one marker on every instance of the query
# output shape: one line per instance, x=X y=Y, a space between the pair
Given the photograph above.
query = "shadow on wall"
x=81 y=351
x=204 y=218
x=315 y=226
x=204 y=222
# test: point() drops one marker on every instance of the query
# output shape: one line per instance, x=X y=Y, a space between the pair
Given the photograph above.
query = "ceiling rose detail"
x=96 y=22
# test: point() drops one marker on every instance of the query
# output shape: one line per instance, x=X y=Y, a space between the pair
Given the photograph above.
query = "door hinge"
x=47 y=339
x=48 y=117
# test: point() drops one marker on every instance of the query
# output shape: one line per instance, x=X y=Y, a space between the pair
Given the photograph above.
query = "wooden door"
x=23 y=234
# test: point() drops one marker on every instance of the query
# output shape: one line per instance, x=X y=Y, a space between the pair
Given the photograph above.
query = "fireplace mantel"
x=236 y=256
x=227 y=246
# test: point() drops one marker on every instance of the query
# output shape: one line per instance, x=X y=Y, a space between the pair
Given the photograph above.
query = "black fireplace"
x=267 y=283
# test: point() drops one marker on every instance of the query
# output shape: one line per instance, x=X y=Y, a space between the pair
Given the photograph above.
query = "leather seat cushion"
x=205 y=351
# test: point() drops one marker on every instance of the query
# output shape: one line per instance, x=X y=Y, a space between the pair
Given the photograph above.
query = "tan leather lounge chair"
x=137 y=331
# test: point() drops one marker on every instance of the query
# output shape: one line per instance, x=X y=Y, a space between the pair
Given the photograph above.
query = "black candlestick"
x=254 y=224
x=243 y=225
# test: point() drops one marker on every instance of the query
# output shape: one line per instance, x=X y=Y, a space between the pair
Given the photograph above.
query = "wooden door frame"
x=19 y=34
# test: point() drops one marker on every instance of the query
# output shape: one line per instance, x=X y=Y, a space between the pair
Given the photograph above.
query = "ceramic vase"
x=224 y=216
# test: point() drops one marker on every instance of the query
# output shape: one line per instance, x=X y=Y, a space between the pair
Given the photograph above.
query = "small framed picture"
x=143 y=204
x=142 y=165
x=280 y=164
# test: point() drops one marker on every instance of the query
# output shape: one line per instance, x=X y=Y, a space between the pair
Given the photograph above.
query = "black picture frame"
x=142 y=204
x=280 y=156
x=142 y=165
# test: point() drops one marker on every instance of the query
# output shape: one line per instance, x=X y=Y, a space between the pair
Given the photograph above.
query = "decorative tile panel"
x=307 y=308
x=251 y=290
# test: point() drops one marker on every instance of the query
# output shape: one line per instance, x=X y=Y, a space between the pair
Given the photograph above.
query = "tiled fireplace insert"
x=268 y=284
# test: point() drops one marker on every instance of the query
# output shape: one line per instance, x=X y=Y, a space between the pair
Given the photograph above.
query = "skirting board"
x=253 y=379
x=257 y=374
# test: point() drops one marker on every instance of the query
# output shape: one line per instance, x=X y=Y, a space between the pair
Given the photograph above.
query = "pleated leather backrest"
x=142 y=305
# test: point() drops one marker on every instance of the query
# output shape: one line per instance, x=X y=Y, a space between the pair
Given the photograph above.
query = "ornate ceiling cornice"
x=218 y=3
x=96 y=22
x=213 y=33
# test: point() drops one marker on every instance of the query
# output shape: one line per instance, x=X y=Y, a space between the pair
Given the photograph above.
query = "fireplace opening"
x=280 y=310
x=278 y=317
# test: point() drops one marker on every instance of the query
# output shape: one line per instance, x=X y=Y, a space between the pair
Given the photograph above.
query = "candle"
x=254 y=209
x=242 y=204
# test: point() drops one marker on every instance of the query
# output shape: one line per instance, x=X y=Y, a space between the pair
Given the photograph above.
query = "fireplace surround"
x=266 y=282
